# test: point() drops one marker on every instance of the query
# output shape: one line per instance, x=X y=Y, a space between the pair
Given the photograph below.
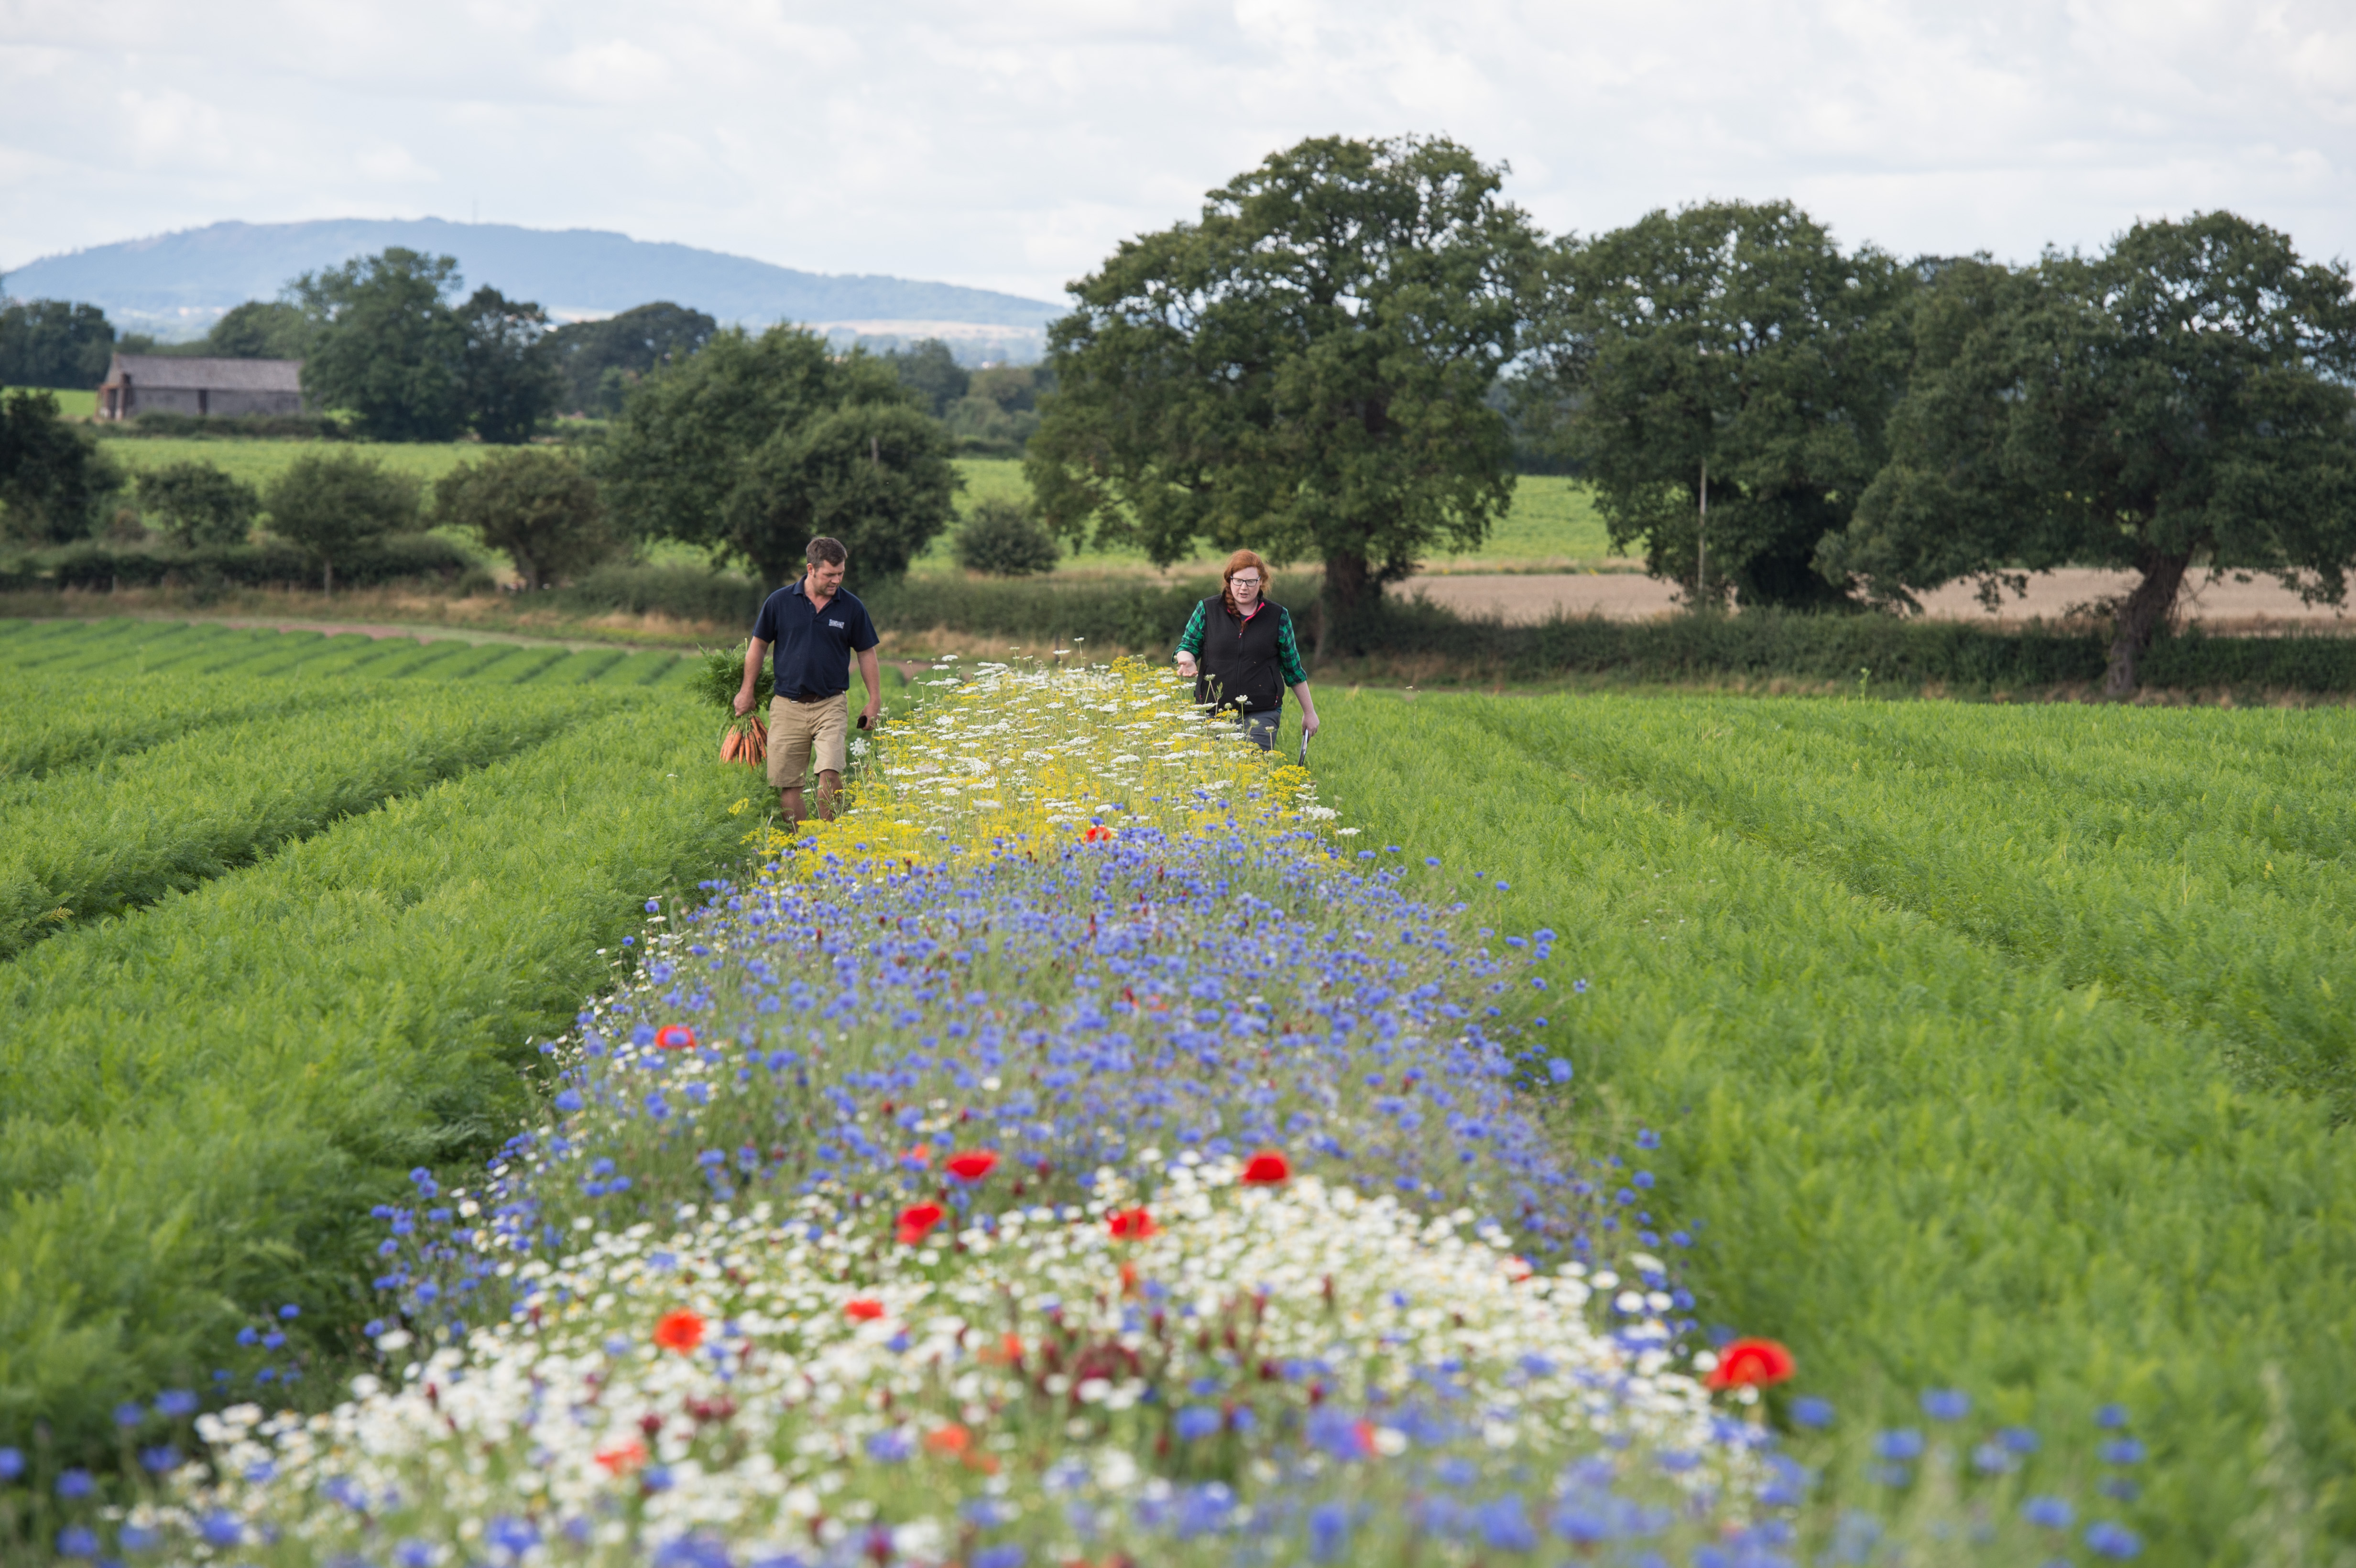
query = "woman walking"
x=1239 y=651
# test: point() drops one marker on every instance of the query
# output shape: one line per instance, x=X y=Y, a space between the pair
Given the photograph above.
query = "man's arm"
x=754 y=654
x=871 y=670
x=1190 y=643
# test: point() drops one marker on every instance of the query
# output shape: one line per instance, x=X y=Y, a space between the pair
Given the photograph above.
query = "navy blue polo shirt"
x=810 y=647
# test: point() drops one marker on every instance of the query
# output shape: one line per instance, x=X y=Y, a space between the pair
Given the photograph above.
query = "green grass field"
x=1993 y=1048
x=72 y=405
x=1552 y=526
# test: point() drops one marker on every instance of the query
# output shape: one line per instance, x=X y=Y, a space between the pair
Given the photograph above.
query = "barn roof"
x=170 y=372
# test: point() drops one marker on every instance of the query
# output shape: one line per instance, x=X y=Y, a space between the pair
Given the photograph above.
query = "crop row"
x=133 y=651
x=202 y=1099
x=116 y=836
x=1944 y=1042
x=2205 y=881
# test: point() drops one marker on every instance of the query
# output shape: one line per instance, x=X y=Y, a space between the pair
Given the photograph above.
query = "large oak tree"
x=2181 y=401
x=1303 y=369
x=755 y=444
x=1732 y=345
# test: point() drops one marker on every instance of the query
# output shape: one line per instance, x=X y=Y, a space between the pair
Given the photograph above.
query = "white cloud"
x=1012 y=146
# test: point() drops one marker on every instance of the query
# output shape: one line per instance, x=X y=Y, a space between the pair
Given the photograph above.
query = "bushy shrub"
x=1002 y=539
x=198 y=503
x=536 y=505
x=330 y=505
x=54 y=481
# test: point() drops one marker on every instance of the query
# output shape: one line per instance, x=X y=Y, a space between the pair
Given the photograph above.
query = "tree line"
x=1336 y=359
x=1346 y=355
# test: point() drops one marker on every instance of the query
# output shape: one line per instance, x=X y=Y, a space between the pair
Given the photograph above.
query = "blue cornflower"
x=891 y=1448
x=1946 y=1403
x=1329 y=1531
x=290 y=1312
x=1504 y=887
x=220 y=1528
x=1812 y=1413
x=512 y=1534
x=1504 y=1526
x=159 y=1460
x=1904 y=1443
x=175 y=1402
x=77 y=1540
x=568 y=1100
x=1580 y=986
x=2107 y=1538
x=2019 y=1439
x=2112 y=1417
x=1560 y=1071
x=2123 y=1451
x=413 y=1553
x=1196 y=1421
x=1005 y=1555
x=2047 y=1513
x=1647 y=1138
x=76 y=1483
x=1433 y=860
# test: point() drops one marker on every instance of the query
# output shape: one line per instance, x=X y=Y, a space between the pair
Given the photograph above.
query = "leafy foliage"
x=757 y=444
x=262 y=1107
x=331 y=503
x=1303 y=371
x=101 y=841
x=200 y=503
x=53 y=343
x=928 y=369
x=1003 y=539
x=387 y=345
x=511 y=382
x=600 y=361
x=2183 y=397
x=261 y=329
x=54 y=479
x=537 y=505
x=1948 y=1018
x=1735 y=338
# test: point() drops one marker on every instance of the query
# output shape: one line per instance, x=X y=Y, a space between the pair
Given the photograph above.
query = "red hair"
x=1236 y=564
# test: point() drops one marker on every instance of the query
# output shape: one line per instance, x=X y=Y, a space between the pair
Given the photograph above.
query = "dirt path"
x=2220 y=605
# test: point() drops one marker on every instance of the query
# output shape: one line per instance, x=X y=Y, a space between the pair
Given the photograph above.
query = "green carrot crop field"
x=1998 y=1048
x=2003 y=1049
x=279 y=914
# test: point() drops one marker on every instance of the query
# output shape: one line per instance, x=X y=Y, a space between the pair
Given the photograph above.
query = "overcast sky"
x=1010 y=143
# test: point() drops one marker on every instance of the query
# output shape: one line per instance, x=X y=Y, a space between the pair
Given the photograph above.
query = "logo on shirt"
x=836 y=625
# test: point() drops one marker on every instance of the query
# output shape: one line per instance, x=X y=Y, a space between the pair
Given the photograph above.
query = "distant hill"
x=176 y=285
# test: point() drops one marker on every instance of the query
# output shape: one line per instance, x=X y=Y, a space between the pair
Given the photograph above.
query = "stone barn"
x=166 y=384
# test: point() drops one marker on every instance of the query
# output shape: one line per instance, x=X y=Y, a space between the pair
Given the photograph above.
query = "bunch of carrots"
x=745 y=738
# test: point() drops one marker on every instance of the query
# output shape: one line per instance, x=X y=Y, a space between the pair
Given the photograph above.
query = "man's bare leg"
x=828 y=781
x=789 y=804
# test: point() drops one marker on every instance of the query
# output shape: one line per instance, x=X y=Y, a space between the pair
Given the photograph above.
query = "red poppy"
x=863 y=1310
x=1265 y=1169
x=622 y=1457
x=1096 y=834
x=681 y=1331
x=949 y=1439
x=972 y=1165
x=921 y=1155
x=1751 y=1363
x=1132 y=1225
x=675 y=1037
x=916 y=1222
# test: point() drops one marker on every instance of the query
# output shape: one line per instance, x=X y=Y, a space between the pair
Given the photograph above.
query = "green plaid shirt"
x=1288 y=652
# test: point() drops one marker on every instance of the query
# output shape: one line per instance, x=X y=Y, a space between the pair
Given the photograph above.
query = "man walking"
x=1238 y=650
x=814 y=627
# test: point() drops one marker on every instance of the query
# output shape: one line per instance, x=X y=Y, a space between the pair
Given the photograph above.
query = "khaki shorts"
x=798 y=729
